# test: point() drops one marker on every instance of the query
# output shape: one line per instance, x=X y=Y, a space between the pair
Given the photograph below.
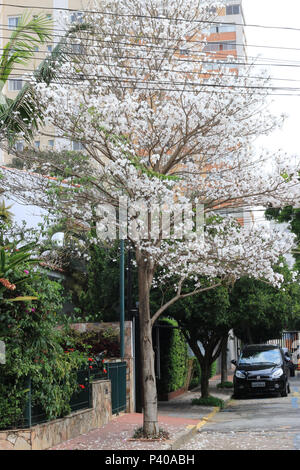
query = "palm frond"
x=29 y=32
x=5 y=214
x=23 y=115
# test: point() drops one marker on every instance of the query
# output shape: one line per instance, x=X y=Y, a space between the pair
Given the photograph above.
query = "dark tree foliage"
x=261 y=312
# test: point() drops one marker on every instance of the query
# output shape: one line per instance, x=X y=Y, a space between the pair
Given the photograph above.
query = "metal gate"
x=116 y=373
x=290 y=340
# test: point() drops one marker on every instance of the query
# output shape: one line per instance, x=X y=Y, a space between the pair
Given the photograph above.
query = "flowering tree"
x=160 y=133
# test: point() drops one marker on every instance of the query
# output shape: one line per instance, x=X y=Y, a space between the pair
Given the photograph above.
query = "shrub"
x=225 y=385
x=34 y=347
x=173 y=358
x=210 y=401
x=97 y=341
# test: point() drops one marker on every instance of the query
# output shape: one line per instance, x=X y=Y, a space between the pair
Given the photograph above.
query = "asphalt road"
x=261 y=423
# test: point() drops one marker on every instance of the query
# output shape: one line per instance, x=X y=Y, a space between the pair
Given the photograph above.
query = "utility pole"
x=122 y=298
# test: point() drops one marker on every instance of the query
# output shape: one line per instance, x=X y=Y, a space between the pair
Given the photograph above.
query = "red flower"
x=105 y=371
x=91 y=367
x=90 y=359
x=72 y=349
x=81 y=386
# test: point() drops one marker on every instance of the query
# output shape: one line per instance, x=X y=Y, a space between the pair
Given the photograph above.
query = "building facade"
x=56 y=11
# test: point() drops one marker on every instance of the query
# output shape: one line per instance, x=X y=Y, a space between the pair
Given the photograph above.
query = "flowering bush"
x=102 y=343
x=35 y=347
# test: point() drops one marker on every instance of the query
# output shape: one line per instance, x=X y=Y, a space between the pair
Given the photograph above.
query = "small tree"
x=262 y=312
x=205 y=320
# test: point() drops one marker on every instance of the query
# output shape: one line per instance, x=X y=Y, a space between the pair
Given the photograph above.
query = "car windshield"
x=270 y=356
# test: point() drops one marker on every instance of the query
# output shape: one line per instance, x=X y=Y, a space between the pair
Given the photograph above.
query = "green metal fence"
x=116 y=372
x=34 y=414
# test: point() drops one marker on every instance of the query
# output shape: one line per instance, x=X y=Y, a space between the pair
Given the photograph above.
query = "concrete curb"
x=191 y=430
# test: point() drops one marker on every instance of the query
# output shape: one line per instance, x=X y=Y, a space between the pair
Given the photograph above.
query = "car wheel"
x=236 y=395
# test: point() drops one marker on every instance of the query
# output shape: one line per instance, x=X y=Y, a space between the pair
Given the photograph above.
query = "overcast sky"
x=284 y=14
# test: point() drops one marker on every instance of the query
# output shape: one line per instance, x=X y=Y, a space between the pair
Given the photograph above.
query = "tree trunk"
x=205 y=376
x=249 y=335
x=224 y=374
x=150 y=424
x=205 y=362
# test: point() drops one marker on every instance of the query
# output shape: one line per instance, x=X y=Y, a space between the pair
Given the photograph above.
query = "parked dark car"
x=261 y=369
x=288 y=358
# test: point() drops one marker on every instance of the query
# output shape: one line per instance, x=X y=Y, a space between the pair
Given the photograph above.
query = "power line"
x=168 y=39
x=205 y=53
x=189 y=72
x=176 y=50
x=151 y=17
x=188 y=41
x=69 y=82
x=221 y=59
x=211 y=74
x=169 y=82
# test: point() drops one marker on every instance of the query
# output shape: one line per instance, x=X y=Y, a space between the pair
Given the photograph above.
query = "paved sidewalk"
x=179 y=417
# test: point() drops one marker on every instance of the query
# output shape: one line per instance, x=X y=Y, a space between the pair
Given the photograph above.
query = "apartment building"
x=9 y=17
x=226 y=35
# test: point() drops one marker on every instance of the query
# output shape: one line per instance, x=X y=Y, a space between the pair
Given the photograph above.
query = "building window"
x=37 y=144
x=77 y=49
x=211 y=47
x=212 y=10
x=51 y=143
x=77 y=146
x=15 y=84
x=19 y=146
x=223 y=28
x=184 y=51
x=13 y=21
x=233 y=10
x=49 y=48
x=220 y=46
x=76 y=17
x=227 y=46
x=213 y=66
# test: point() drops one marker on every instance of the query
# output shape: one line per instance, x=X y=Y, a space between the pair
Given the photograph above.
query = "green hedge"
x=173 y=358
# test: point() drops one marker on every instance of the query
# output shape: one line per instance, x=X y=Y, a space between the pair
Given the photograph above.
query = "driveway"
x=261 y=423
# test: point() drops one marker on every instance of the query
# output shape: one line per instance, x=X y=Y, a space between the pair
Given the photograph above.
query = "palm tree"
x=23 y=115
x=5 y=214
x=28 y=34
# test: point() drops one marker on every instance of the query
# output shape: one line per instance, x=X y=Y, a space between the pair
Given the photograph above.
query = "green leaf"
x=25 y=298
